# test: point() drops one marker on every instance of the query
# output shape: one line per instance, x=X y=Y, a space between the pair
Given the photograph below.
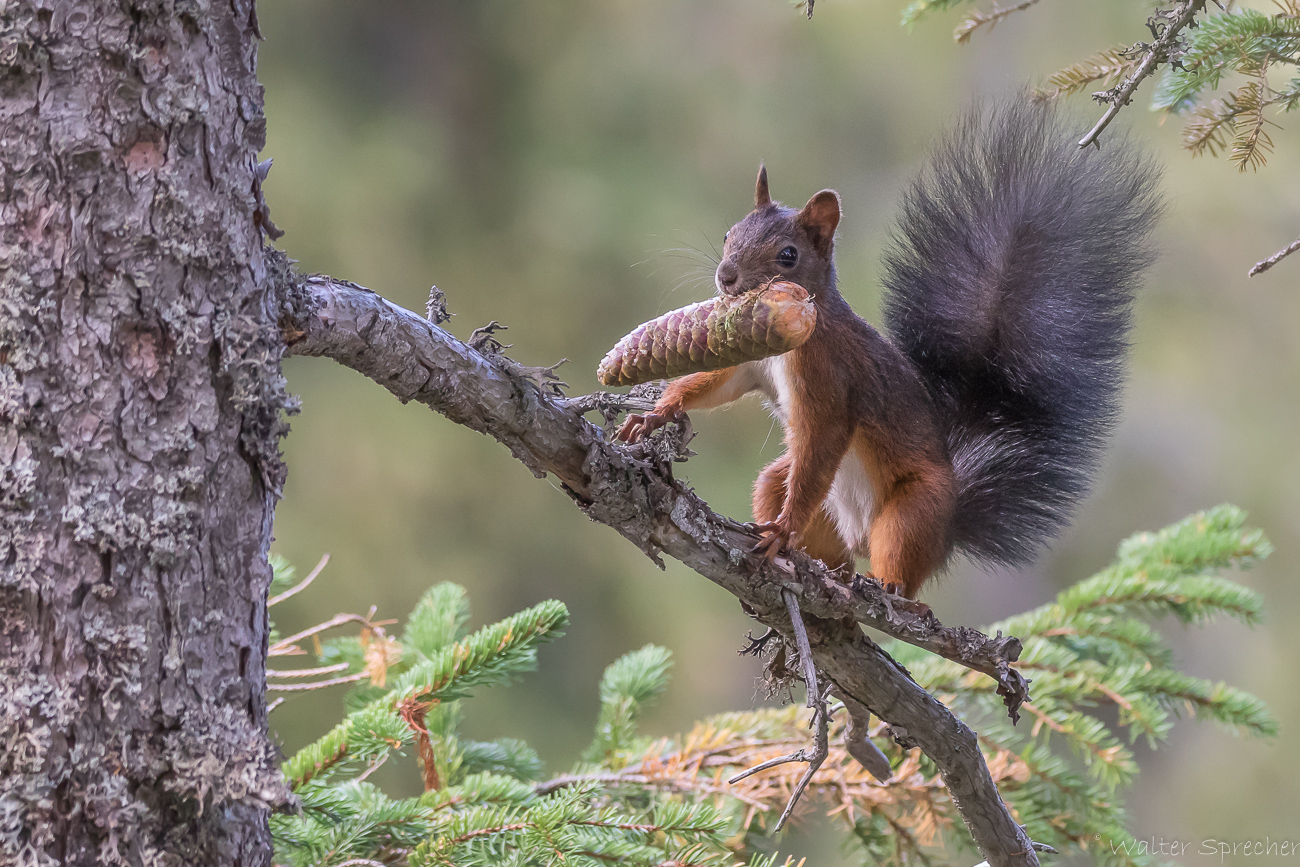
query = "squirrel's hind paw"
x=777 y=536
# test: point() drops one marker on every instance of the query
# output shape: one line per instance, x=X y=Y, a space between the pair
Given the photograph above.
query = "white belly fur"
x=850 y=501
x=774 y=379
x=851 y=497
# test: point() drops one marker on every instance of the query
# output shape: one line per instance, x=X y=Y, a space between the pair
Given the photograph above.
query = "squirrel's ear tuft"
x=761 y=197
x=820 y=217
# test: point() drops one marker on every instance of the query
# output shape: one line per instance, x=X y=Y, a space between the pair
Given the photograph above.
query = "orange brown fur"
x=701 y=391
x=819 y=538
x=847 y=390
x=848 y=396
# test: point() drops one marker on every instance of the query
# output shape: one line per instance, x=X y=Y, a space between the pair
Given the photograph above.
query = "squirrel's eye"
x=787 y=257
x=726 y=235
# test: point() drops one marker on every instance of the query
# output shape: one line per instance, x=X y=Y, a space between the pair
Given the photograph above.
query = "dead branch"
x=1261 y=267
x=629 y=489
x=303 y=584
x=700 y=761
x=289 y=646
x=820 y=721
x=1165 y=26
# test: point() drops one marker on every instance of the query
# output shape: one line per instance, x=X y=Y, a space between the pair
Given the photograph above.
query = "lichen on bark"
x=141 y=402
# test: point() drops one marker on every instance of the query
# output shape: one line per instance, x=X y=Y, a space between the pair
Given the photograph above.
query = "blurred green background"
x=560 y=166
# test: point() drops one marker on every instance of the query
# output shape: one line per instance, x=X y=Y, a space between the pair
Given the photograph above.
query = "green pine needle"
x=282 y=574
x=506 y=756
x=918 y=9
x=491 y=656
x=630 y=682
x=438 y=619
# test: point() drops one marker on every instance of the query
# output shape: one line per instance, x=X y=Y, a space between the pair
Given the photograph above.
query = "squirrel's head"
x=774 y=241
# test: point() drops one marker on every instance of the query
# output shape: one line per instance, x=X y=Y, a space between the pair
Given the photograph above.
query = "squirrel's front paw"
x=637 y=426
x=777 y=536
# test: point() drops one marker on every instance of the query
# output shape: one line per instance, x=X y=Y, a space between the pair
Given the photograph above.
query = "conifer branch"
x=634 y=799
x=1252 y=141
x=1107 y=67
x=1206 y=130
x=1084 y=649
x=912 y=797
x=1196 y=53
x=490 y=655
x=978 y=19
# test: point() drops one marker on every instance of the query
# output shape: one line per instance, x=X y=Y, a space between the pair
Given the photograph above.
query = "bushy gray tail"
x=1009 y=283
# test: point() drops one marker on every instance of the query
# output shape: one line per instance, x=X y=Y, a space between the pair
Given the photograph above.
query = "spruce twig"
x=978 y=19
x=1106 y=66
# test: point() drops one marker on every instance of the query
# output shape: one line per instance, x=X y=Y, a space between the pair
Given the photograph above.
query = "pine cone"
x=721 y=332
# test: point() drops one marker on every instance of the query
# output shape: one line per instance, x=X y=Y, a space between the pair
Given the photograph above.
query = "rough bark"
x=140 y=404
x=630 y=490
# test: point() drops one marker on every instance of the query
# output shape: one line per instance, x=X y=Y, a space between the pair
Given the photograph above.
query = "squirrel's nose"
x=728 y=274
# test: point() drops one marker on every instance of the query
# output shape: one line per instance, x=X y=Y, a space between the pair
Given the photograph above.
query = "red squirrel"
x=976 y=422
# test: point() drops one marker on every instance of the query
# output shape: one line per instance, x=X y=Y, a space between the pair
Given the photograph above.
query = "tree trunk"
x=140 y=406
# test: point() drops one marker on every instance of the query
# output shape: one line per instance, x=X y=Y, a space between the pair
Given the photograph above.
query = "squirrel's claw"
x=770 y=545
x=630 y=432
x=897 y=588
x=777 y=537
x=638 y=426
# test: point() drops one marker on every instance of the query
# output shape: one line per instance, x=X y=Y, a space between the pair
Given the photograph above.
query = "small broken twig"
x=858 y=743
x=435 y=309
x=484 y=339
x=978 y=19
x=544 y=378
x=820 y=720
x=301 y=585
x=1261 y=267
x=261 y=210
x=755 y=646
x=815 y=758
